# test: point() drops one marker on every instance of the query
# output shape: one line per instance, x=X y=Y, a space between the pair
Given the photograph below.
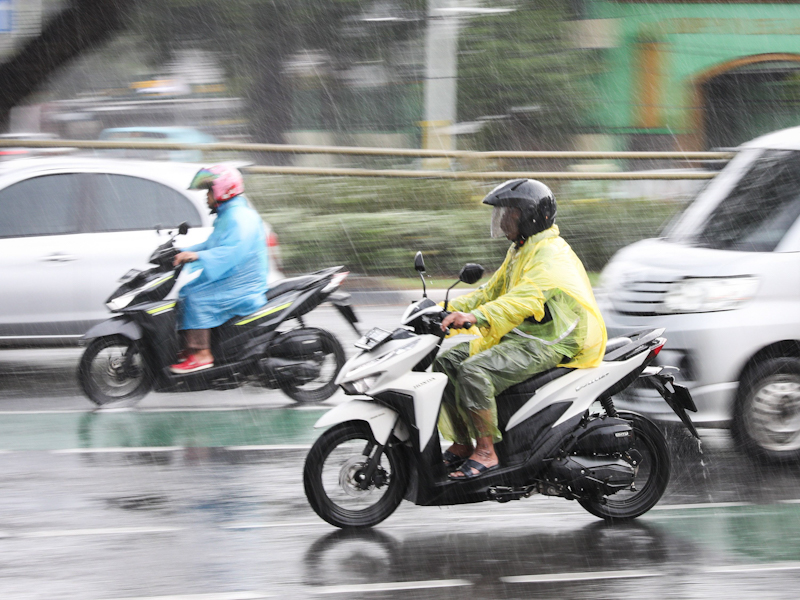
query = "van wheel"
x=113 y=370
x=766 y=418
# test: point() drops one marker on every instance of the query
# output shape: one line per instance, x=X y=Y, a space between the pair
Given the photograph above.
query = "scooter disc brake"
x=350 y=477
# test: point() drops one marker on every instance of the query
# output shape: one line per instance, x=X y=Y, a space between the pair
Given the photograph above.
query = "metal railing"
x=688 y=157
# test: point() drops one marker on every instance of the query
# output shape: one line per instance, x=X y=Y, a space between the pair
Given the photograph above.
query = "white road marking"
x=143 y=449
x=702 y=505
x=218 y=596
x=118 y=450
x=392 y=586
x=273 y=525
x=80 y=532
x=587 y=576
x=754 y=568
x=269 y=447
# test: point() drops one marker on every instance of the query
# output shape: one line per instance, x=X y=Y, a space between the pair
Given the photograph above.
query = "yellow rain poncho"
x=542 y=275
x=528 y=277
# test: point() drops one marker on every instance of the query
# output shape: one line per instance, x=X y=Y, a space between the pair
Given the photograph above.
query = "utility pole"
x=441 y=72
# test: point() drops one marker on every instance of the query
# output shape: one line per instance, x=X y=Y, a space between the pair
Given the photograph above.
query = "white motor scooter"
x=561 y=433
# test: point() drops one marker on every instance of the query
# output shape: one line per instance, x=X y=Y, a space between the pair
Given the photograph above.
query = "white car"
x=70 y=227
x=725 y=283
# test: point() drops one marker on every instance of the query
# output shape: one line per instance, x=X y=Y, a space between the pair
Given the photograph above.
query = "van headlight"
x=709 y=294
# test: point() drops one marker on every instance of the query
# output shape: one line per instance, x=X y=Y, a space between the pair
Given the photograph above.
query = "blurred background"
x=441 y=74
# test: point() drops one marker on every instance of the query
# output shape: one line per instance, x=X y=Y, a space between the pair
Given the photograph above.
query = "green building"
x=691 y=75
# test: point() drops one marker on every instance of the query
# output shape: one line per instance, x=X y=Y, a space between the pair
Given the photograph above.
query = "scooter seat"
x=291 y=284
x=527 y=387
x=616 y=343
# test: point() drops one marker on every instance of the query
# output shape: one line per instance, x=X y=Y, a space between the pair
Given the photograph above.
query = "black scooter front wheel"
x=113 y=370
x=330 y=359
x=334 y=471
x=652 y=475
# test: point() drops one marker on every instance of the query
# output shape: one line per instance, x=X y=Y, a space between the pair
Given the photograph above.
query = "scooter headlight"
x=121 y=302
x=360 y=386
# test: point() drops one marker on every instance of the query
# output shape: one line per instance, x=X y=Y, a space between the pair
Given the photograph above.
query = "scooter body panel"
x=381 y=419
x=119 y=325
x=580 y=387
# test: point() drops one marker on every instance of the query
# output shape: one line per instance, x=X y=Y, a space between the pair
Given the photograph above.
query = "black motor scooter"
x=130 y=354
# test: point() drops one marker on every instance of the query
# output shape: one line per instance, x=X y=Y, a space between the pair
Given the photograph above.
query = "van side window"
x=125 y=203
x=761 y=208
x=46 y=205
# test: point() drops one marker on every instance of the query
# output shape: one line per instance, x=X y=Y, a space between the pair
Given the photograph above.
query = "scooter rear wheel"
x=333 y=470
x=331 y=359
x=113 y=370
x=652 y=475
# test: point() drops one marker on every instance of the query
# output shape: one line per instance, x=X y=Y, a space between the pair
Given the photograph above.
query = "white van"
x=725 y=283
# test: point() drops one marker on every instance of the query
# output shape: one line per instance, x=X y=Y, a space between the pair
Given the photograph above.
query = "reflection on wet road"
x=200 y=497
x=223 y=523
x=145 y=429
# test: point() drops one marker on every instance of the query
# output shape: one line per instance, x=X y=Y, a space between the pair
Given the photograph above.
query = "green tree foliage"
x=375 y=226
x=522 y=67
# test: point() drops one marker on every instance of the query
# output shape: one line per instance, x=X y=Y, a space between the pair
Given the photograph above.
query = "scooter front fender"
x=381 y=419
x=120 y=325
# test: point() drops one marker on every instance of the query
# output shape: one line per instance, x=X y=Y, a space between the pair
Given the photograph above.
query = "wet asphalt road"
x=199 y=496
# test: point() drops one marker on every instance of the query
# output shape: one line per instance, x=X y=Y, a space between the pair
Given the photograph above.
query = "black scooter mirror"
x=183 y=228
x=419 y=265
x=470 y=273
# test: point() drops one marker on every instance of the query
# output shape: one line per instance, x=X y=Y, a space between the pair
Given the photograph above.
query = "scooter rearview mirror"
x=183 y=228
x=419 y=265
x=470 y=273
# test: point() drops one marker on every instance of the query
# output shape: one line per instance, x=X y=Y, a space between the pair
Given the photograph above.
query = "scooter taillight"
x=272 y=240
x=336 y=281
x=654 y=352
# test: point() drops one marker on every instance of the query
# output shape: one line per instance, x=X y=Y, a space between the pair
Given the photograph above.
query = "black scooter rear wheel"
x=651 y=479
x=331 y=359
x=113 y=370
x=334 y=468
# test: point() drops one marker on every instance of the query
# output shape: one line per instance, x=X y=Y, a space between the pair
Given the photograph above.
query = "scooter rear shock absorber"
x=608 y=406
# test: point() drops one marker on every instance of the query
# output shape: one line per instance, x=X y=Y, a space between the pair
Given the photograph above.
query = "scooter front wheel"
x=652 y=475
x=334 y=472
x=113 y=370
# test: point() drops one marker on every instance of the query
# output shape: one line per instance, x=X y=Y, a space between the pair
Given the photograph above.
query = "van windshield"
x=760 y=209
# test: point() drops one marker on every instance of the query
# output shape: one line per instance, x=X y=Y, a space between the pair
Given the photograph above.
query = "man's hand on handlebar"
x=184 y=257
x=459 y=320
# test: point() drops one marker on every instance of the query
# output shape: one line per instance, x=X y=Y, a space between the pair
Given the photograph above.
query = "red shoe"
x=190 y=365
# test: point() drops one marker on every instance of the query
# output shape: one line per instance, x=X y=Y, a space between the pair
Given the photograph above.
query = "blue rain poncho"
x=234 y=267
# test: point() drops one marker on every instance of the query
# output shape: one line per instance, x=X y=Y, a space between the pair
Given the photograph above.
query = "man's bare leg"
x=484 y=446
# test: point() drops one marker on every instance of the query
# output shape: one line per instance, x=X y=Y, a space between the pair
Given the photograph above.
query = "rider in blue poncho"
x=233 y=261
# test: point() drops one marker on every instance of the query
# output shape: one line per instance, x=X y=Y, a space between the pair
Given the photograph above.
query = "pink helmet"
x=224 y=182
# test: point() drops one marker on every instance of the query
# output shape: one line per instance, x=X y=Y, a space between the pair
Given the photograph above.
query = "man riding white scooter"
x=537 y=312
x=233 y=260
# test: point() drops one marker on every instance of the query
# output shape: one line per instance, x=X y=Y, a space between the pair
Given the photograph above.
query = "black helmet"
x=535 y=201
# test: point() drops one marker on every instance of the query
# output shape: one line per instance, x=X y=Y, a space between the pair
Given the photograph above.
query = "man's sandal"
x=452 y=460
x=467 y=467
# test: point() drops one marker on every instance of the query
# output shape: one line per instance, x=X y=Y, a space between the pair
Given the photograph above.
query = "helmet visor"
x=203 y=180
x=505 y=221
